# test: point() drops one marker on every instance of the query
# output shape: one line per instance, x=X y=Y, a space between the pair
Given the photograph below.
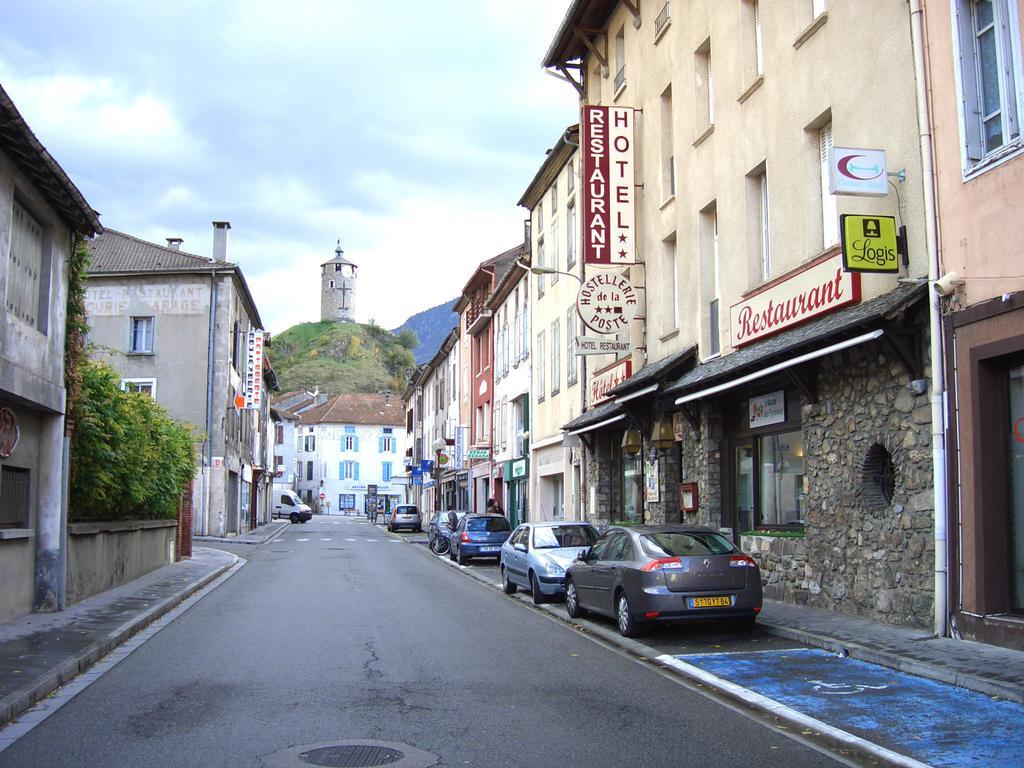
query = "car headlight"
x=552 y=568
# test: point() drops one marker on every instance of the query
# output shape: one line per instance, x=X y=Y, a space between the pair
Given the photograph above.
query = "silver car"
x=405 y=516
x=663 y=573
x=536 y=555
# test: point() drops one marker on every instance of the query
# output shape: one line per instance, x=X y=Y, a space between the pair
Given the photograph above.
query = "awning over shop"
x=595 y=418
x=651 y=376
x=818 y=338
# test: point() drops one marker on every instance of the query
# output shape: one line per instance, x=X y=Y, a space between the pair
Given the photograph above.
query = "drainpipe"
x=938 y=391
x=208 y=453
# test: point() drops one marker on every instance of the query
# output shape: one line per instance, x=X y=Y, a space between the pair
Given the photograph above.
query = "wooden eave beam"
x=563 y=74
x=583 y=33
x=633 y=6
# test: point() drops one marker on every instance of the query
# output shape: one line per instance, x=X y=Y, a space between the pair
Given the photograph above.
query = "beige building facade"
x=773 y=393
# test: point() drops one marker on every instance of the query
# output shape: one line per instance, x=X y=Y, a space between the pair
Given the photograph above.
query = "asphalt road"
x=337 y=631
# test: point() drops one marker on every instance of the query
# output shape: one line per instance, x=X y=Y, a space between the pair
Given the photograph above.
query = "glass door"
x=744 y=486
x=1015 y=473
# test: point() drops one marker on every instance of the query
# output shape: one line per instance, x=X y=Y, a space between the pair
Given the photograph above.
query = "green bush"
x=129 y=459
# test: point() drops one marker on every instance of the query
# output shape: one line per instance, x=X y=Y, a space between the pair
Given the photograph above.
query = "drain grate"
x=351 y=756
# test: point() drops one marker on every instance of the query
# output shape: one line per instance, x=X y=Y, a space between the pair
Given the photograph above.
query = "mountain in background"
x=341 y=357
x=431 y=326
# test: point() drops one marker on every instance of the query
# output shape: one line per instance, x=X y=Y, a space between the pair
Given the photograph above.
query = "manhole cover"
x=351 y=753
x=351 y=756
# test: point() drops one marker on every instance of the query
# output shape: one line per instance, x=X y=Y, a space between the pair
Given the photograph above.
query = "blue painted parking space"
x=935 y=723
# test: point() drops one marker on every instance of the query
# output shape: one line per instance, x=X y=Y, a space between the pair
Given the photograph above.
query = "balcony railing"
x=663 y=18
x=620 y=77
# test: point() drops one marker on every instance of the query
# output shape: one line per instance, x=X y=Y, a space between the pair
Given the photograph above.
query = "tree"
x=129 y=459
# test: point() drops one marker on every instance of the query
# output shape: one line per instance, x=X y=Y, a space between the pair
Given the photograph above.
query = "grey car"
x=536 y=555
x=663 y=573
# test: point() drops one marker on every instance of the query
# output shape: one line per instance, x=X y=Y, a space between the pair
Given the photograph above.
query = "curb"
x=14 y=704
x=238 y=540
x=836 y=740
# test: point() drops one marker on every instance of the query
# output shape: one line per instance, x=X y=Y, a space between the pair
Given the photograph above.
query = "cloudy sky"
x=407 y=129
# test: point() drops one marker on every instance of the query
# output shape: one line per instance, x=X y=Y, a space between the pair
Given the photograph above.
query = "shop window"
x=1015 y=470
x=770 y=481
x=632 y=488
x=13 y=497
x=878 y=478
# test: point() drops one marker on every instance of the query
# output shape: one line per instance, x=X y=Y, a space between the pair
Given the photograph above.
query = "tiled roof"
x=816 y=332
x=20 y=144
x=115 y=251
x=594 y=415
x=357 y=409
x=655 y=372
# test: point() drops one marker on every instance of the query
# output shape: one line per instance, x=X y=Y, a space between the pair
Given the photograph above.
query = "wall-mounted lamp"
x=632 y=442
x=662 y=435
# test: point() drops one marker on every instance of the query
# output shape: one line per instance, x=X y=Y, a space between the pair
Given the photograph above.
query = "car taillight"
x=663 y=564
x=652 y=614
x=464 y=536
x=741 y=561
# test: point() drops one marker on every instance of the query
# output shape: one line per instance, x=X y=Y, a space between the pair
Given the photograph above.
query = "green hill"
x=343 y=357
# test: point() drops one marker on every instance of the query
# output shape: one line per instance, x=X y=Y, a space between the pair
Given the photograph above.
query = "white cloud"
x=102 y=117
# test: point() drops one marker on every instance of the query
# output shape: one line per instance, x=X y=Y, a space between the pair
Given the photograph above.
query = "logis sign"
x=606 y=303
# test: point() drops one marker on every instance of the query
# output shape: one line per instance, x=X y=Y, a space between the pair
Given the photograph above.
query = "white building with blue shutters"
x=350 y=454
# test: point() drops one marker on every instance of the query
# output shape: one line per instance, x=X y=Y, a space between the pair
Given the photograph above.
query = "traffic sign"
x=322 y=496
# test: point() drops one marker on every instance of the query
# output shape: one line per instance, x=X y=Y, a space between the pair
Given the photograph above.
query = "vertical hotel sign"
x=608 y=189
x=254 y=369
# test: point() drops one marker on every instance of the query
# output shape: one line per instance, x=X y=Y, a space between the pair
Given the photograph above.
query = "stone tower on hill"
x=338 y=288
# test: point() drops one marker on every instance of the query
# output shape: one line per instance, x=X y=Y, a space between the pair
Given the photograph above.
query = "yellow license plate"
x=711 y=602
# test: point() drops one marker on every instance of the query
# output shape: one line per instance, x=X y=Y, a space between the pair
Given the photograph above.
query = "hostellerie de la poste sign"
x=816 y=290
x=608 y=188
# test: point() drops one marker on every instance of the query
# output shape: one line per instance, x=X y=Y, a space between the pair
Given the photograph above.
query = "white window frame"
x=758 y=39
x=570 y=234
x=571 y=363
x=829 y=203
x=541 y=382
x=556 y=356
x=149 y=336
x=136 y=385
x=764 y=212
x=974 y=158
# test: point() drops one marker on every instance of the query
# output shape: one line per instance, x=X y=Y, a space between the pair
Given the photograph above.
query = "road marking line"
x=349 y=539
x=373 y=540
x=327 y=539
x=302 y=539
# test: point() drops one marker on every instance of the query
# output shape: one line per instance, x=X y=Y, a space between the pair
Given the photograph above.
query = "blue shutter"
x=355 y=444
x=355 y=470
x=341 y=470
x=380 y=445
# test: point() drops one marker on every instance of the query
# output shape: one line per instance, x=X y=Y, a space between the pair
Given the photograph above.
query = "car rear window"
x=406 y=510
x=677 y=544
x=494 y=523
x=564 y=536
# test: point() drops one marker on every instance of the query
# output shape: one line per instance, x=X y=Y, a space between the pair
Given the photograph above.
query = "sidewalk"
x=42 y=651
x=260 y=535
x=986 y=669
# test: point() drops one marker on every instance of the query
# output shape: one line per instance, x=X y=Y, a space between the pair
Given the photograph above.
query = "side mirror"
x=584 y=555
x=520 y=547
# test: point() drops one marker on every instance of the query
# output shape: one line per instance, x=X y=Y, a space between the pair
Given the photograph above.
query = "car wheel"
x=506 y=584
x=627 y=624
x=572 y=601
x=538 y=596
x=462 y=558
x=294 y=517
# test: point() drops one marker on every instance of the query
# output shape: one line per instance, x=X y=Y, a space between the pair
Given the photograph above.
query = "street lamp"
x=538 y=270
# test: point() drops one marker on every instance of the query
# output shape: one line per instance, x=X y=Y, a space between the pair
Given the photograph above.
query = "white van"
x=287 y=504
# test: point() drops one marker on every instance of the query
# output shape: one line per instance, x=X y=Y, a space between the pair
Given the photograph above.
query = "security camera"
x=947 y=284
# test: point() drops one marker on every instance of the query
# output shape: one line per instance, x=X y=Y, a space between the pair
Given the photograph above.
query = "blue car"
x=536 y=555
x=478 y=536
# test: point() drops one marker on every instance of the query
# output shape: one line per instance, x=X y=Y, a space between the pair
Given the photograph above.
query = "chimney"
x=220 y=240
x=174 y=243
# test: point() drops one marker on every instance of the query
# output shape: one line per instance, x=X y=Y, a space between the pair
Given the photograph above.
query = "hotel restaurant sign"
x=608 y=187
x=816 y=290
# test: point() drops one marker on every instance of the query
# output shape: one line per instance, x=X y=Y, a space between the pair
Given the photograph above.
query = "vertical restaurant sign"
x=608 y=188
x=816 y=290
x=254 y=369
x=459 y=459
